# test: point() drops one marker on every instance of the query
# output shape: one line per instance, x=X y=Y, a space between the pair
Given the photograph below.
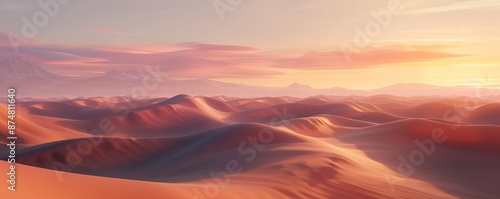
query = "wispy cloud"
x=203 y=60
x=189 y=60
x=372 y=57
x=440 y=6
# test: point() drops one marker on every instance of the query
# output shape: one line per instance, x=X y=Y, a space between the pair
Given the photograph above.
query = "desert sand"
x=321 y=147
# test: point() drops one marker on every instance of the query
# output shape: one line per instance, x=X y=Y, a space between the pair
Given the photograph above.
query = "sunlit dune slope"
x=320 y=147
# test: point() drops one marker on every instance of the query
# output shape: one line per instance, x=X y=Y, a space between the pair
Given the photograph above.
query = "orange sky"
x=358 y=44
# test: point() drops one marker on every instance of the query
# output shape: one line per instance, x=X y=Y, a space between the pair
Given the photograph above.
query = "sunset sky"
x=269 y=43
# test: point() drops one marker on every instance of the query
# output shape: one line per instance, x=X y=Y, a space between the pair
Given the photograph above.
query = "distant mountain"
x=20 y=68
x=299 y=86
x=33 y=80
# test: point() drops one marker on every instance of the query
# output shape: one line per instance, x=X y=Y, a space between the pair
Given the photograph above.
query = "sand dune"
x=320 y=147
x=464 y=163
x=485 y=114
x=37 y=129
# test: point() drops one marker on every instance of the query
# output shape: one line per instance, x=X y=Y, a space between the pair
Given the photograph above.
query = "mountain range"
x=32 y=80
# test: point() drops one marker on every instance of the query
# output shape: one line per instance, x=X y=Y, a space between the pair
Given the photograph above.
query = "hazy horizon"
x=317 y=43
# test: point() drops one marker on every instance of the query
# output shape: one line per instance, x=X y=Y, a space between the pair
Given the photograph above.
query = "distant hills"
x=32 y=80
x=14 y=68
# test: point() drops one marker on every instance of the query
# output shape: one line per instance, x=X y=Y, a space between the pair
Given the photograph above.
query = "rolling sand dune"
x=485 y=114
x=37 y=129
x=464 y=164
x=279 y=147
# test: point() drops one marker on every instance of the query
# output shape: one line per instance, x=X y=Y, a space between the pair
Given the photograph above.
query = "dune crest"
x=278 y=147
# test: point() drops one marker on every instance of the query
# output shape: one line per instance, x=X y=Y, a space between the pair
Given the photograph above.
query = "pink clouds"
x=190 y=60
x=200 y=60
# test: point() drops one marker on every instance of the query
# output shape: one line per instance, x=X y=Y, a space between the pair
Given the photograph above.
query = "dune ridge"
x=278 y=147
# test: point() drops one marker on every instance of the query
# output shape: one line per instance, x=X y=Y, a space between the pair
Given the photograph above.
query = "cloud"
x=372 y=57
x=188 y=60
x=202 y=60
x=440 y=6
